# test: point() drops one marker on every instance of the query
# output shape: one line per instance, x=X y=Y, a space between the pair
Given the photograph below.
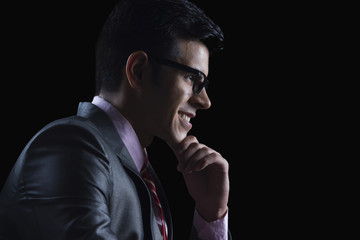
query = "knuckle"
x=194 y=148
x=191 y=139
x=214 y=154
x=208 y=151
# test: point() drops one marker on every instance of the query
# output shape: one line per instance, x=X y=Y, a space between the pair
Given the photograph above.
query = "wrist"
x=213 y=214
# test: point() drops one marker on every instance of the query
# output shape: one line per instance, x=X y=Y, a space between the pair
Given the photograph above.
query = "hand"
x=206 y=174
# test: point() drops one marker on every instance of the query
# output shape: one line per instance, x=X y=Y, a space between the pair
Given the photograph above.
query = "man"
x=88 y=176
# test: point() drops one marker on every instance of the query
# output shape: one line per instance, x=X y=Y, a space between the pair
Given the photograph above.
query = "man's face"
x=172 y=102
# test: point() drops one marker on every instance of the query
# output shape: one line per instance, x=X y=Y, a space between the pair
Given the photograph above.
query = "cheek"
x=179 y=98
x=167 y=118
x=170 y=107
x=175 y=92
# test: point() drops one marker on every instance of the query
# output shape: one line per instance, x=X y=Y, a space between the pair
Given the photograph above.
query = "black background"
x=263 y=119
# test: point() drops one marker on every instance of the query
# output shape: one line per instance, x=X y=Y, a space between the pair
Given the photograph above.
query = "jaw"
x=179 y=129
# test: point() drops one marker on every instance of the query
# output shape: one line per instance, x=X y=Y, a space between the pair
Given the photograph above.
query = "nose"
x=201 y=101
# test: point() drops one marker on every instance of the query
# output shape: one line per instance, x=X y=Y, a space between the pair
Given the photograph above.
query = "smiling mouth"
x=185 y=117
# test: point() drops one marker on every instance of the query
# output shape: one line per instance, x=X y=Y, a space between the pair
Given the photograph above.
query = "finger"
x=184 y=145
x=186 y=155
x=212 y=158
x=199 y=159
x=205 y=162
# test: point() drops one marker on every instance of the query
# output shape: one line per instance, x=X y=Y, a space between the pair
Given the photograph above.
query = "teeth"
x=185 y=117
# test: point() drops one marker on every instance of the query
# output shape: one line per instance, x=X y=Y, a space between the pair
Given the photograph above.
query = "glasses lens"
x=200 y=83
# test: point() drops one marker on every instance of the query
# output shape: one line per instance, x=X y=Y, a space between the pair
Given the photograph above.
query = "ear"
x=135 y=68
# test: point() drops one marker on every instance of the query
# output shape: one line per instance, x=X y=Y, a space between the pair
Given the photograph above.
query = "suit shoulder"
x=73 y=125
x=76 y=133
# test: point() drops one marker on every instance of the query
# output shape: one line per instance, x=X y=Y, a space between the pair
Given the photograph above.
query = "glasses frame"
x=182 y=67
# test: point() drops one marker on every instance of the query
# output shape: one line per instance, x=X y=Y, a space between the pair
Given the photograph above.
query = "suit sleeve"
x=67 y=181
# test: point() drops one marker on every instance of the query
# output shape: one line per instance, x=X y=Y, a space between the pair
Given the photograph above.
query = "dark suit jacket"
x=75 y=179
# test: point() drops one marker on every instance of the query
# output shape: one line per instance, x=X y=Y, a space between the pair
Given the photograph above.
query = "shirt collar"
x=125 y=130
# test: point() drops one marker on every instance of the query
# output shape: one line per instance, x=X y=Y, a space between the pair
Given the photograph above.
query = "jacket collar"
x=99 y=118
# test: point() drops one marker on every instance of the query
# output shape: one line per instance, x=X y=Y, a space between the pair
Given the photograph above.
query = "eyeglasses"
x=199 y=79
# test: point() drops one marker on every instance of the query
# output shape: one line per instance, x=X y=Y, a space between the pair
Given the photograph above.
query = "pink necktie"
x=145 y=174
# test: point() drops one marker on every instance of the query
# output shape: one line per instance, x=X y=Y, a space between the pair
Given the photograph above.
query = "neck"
x=132 y=112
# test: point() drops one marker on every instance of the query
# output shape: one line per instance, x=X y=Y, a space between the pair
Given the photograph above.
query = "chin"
x=181 y=137
x=173 y=140
x=175 y=134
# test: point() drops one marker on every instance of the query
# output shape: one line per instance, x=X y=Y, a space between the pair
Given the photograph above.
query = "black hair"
x=154 y=26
